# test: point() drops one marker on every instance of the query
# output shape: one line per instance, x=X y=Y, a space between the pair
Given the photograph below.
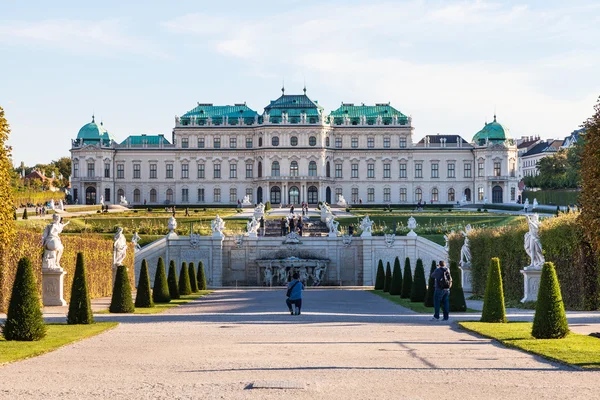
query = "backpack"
x=446 y=280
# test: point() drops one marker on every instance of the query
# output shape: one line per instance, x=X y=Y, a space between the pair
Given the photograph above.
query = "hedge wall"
x=98 y=257
x=562 y=242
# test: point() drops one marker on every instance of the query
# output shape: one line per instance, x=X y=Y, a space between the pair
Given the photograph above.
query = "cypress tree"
x=457 y=295
x=121 y=301
x=406 y=280
x=193 y=280
x=25 y=213
x=550 y=320
x=80 y=307
x=24 y=319
x=419 y=288
x=387 y=284
x=396 y=288
x=201 y=276
x=172 y=281
x=430 y=287
x=160 y=292
x=143 y=297
x=185 y=287
x=493 y=301
x=380 y=279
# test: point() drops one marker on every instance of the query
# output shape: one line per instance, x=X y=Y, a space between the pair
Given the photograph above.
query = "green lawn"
x=158 y=308
x=416 y=307
x=58 y=335
x=579 y=350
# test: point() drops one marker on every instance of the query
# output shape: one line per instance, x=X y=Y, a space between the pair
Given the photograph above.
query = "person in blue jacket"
x=295 y=288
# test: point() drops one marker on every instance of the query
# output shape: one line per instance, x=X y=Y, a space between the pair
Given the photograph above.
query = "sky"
x=448 y=64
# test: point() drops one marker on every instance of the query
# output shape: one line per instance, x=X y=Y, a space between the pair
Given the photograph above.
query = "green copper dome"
x=493 y=132
x=94 y=132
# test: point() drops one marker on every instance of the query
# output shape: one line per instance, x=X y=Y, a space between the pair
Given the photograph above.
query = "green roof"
x=146 y=139
x=92 y=132
x=493 y=132
x=209 y=110
x=371 y=113
x=294 y=103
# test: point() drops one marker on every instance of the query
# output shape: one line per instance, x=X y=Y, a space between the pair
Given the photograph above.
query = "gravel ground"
x=346 y=344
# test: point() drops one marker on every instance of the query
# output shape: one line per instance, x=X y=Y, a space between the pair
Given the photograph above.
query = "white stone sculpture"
x=465 y=250
x=61 y=205
x=333 y=225
x=485 y=200
x=342 y=201
x=526 y=205
x=51 y=204
x=53 y=247
x=303 y=272
x=102 y=200
x=218 y=226
x=535 y=203
x=119 y=248
x=135 y=239
x=533 y=245
x=246 y=201
x=268 y=276
x=282 y=275
x=412 y=225
x=318 y=275
x=259 y=211
x=252 y=227
x=124 y=201
x=366 y=225
x=325 y=212
x=463 y=200
x=172 y=224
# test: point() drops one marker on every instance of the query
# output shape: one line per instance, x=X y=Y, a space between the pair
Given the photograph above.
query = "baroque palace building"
x=291 y=153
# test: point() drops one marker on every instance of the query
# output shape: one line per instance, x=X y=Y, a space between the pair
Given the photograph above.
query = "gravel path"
x=347 y=345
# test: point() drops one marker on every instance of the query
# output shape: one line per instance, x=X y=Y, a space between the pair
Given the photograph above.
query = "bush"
x=380 y=279
x=185 y=286
x=121 y=301
x=267 y=206
x=24 y=319
x=193 y=280
x=160 y=291
x=80 y=307
x=143 y=297
x=493 y=302
x=387 y=284
x=406 y=280
x=419 y=288
x=550 y=320
x=457 y=295
x=430 y=286
x=201 y=276
x=396 y=288
x=172 y=281
x=25 y=213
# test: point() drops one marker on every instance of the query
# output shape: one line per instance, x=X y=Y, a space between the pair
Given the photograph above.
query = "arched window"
x=169 y=196
x=468 y=194
x=275 y=195
x=294 y=168
x=136 y=195
x=259 y=142
x=275 y=168
x=327 y=141
x=418 y=195
x=294 y=141
x=435 y=195
x=120 y=194
x=327 y=169
x=313 y=195
x=451 y=195
x=260 y=169
x=312 y=141
x=312 y=168
x=275 y=141
x=294 y=195
x=480 y=195
x=152 y=195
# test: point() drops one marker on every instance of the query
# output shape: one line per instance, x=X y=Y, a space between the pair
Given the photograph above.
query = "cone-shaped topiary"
x=387 y=283
x=550 y=321
x=457 y=295
x=160 y=291
x=406 y=280
x=185 y=287
x=80 y=307
x=143 y=297
x=380 y=279
x=396 y=288
x=193 y=280
x=419 y=288
x=24 y=319
x=121 y=301
x=201 y=276
x=25 y=214
x=493 y=301
x=172 y=281
x=430 y=287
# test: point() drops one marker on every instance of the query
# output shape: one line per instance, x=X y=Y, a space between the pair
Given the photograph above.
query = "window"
x=370 y=170
x=451 y=171
x=402 y=170
x=294 y=141
x=201 y=170
x=355 y=195
x=233 y=195
x=467 y=170
x=386 y=142
x=338 y=194
x=107 y=194
x=201 y=143
x=355 y=170
x=232 y=142
x=153 y=196
x=260 y=169
x=91 y=169
x=153 y=171
x=185 y=171
x=418 y=195
x=185 y=143
x=136 y=195
x=217 y=142
x=354 y=143
x=338 y=170
x=169 y=171
x=249 y=170
x=294 y=168
x=275 y=168
x=275 y=141
x=402 y=194
x=76 y=169
x=185 y=197
x=435 y=195
x=513 y=193
x=370 y=142
x=217 y=195
x=259 y=142
x=233 y=171
x=327 y=141
x=435 y=170
x=418 y=170
x=312 y=141
x=201 y=195
x=387 y=170
x=480 y=169
x=402 y=143
x=120 y=171
x=217 y=171
x=512 y=168
x=387 y=195
x=370 y=195
x=169 y=195
x=480 y=194
x=106 y=170
x=248 y=142
x=137 y=171
x=497 y=168
x=249 y=194
x=276 y=194
x=312 y=168
x=328 y=170
x=451 y=197
x=338 y=142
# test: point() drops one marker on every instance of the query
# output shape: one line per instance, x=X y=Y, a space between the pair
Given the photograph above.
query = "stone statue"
x=61 y=205
x=318 y=275
x=332 y=224
x=303 y=274
x=218 y=226
x=52 y=204
x=246 y=201
x=53 y=247
x=102 y=200
x=124 y=201
x=526 y=205
x=464 y=199
x=282 y=275
x=535 y=203
x=412 y=225
x=533 y=245
x=366 y=225
x=259 y=211
x=465 y=251
x=119 y=248
x=342 y=201
x=252 y=227
x=172 y=224
x=135 y=239
x=268 y=276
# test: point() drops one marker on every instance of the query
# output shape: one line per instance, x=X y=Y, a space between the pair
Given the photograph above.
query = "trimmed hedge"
x=419 y=288
x=457 y=295
x=380 y=280
x=143 y=297
x=185 y=286
x=121 y=301
x=160 y=292
x=80 y=306
x=172 y=281
x=430 y=286
x=550 y=320
x=406 y=280
x=193 y=279
x=493 y=302
x=201 y=276
x=388 y=278
x=396 y=288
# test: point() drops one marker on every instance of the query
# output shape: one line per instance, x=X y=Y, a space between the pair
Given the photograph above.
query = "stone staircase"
x=312 y=227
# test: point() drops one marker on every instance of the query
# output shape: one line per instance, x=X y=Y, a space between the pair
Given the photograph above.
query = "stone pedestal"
x=532 y=283
x=252 y=234
x=332 y=234
x=366 y=234
x=53 y=287
x=411 y=233
x=465 y=272
x=172 y=235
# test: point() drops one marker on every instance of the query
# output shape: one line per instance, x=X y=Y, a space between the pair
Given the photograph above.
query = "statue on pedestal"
x=259 y=211
x=533 y=245
x=342 y=201
x=246 y=201
x=465 y=251
x=252 y=227
x=53 y=247
x=172 y=224
x=218 y=226
x=526 y=205
x=412 y=225
x=135 y=239
x=51 y=204
x=268 y=276
x=119 y=248
x=366 y=225
x=102 y=200
x=332 y=224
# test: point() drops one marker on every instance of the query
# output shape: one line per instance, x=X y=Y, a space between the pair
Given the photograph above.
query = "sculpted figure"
x=252 y=225
x=268 y=276
x=465 y=251
x=282 y=275
x=53 y=247
x=172 y=224
x=217 y=225
x=303 y=274
x=533 y=245
x=366 y=225
x=119 y=247
x=135 y=239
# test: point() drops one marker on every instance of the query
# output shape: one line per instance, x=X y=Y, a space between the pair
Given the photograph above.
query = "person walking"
x=300 y=226
x=293 y=224
x=261 y=223
x=443 y=282
x=283 y=233
x=294 y=294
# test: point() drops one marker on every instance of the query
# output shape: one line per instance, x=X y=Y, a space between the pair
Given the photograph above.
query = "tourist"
x=300 y=226
x=262 y=225
x=351 y=229
x=292 y=209
x=187 y=212
x=283 y=232
x=294 y=294
x=287 y=227
x=443 y=281
x=293 y=224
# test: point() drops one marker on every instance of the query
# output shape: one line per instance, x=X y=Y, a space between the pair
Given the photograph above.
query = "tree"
x=172 y=281
x=380 y=279
x=193 y=280
x=406 y=280
x=143 y=297
x=121 y=301
x=7 y=221
x=419 y=286
x=80 y=307
x=550 y=320
x=267 y=206
x=160 y=292
x=430 y=286
x=493 y=302
x=387 y=283
x=185 y=286
x=201 y=276
x=396 y=288
x=589 y=218
x=24 y=320
x=457 y=295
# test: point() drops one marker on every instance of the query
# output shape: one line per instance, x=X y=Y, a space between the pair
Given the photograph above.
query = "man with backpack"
x=294 y=294
x=443 y=282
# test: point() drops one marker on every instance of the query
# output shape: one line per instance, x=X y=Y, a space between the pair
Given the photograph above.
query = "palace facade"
x=293 y=152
